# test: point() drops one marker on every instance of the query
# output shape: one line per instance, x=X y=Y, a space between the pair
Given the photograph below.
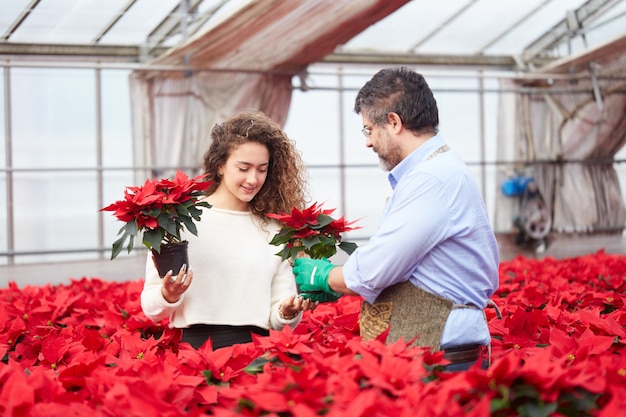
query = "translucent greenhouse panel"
x=115 y=182
x=55 y=211
x=313 y=122
x=3 y=138
x=3 y=176
x=355 y=150
x=117 y=148
x=53 y=118
x=324 y=184
x=117 y=136
x=367 y=191
x=4 y=242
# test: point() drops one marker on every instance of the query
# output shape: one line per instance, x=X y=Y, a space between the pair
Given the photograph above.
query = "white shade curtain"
x=588 y=195
x=566 y=137
x=173 y=116
x=527 y=137
x=263 y=43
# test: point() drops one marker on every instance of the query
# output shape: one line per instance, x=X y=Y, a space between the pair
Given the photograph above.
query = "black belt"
x=462 y=353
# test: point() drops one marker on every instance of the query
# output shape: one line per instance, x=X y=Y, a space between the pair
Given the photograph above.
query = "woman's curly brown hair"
x=285 y=186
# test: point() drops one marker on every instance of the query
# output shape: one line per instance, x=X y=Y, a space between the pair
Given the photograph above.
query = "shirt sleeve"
x=413 y=222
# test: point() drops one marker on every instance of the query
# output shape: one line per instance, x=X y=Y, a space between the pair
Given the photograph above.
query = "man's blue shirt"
x=435 y=232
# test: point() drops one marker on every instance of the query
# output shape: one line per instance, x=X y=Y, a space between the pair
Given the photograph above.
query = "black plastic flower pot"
x=172 y=257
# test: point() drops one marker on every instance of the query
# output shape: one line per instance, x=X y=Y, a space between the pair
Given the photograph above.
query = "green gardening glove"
x=321 y=297
x=312 y=279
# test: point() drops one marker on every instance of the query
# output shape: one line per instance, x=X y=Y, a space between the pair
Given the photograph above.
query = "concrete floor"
x=132 y=267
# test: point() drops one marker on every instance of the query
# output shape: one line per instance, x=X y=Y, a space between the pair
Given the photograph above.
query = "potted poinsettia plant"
x=312 y=232
x=160 y=210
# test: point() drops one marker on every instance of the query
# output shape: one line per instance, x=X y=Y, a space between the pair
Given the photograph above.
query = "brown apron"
x=408 y=312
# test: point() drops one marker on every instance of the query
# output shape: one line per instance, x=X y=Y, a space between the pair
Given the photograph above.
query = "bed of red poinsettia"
x=87 y=349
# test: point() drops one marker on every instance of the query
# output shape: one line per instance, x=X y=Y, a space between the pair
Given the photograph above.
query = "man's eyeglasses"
x=367 y=129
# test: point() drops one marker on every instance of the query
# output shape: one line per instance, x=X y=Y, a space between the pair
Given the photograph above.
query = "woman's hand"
x=174 y=286
x=289 y=307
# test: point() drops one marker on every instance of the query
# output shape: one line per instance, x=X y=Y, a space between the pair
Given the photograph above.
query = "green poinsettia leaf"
x=348 y=247
x=209 y=379
x=194 y=212
x=282 y=237
x=170 y=226
x=310 y=242
x=321 y=250
x=131 y=228
x=118 y=245
x=152 y=239
x=295 y=250
x=256 y=366
x=208 y=376
x=131 y=243
x=154 y=212
x=183 y=209
x=283 y=253
x=328 y=240
x=324 y=220
x=190 y=225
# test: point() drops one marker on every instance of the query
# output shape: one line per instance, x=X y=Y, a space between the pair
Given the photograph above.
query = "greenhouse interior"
x=97 y=96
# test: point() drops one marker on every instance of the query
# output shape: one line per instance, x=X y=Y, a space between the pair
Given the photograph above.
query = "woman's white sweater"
x=237 y=277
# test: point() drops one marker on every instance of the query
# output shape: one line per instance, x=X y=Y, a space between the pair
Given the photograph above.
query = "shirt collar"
x=414 y=158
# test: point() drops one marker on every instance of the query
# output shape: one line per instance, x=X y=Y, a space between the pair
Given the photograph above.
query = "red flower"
x=160 y=209
x=299 y=219
x=563 y=355
x=311 y=231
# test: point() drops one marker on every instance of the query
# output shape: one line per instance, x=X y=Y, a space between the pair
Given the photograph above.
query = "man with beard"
x=429 y=271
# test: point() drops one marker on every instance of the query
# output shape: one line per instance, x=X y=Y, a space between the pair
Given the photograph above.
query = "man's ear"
x=395 y=122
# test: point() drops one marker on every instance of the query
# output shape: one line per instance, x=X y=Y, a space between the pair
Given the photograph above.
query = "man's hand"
x=312 y=279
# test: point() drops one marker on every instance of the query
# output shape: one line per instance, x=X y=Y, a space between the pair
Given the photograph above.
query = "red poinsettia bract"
x=160 y=209
x=312 y=231
x=86 y=348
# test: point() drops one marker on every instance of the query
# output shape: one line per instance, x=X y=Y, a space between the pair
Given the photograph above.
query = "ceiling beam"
x=177 y=20
x=502 y=62
x=601 y=54
x=514 y=26
x=561 y=31
x=20 y=19
x=114 y=20
x=443 y=25
x=91 y=52
x=128 y=53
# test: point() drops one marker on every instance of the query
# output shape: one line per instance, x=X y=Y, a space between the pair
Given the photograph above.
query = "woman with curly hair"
x=238 y=285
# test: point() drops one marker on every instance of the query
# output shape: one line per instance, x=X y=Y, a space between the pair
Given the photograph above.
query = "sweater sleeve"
x=283 y=286
x=153 y=304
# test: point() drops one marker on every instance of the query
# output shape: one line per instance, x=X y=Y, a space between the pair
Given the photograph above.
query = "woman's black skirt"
x=220 y=335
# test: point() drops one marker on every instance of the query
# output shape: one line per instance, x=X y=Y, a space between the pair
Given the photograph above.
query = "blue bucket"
x=515 y=186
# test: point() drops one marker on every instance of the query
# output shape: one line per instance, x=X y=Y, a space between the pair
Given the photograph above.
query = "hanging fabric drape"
x=566 y=137
x=174 y=115
x=527 y=135
x=593 y=136
x=244 y=59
